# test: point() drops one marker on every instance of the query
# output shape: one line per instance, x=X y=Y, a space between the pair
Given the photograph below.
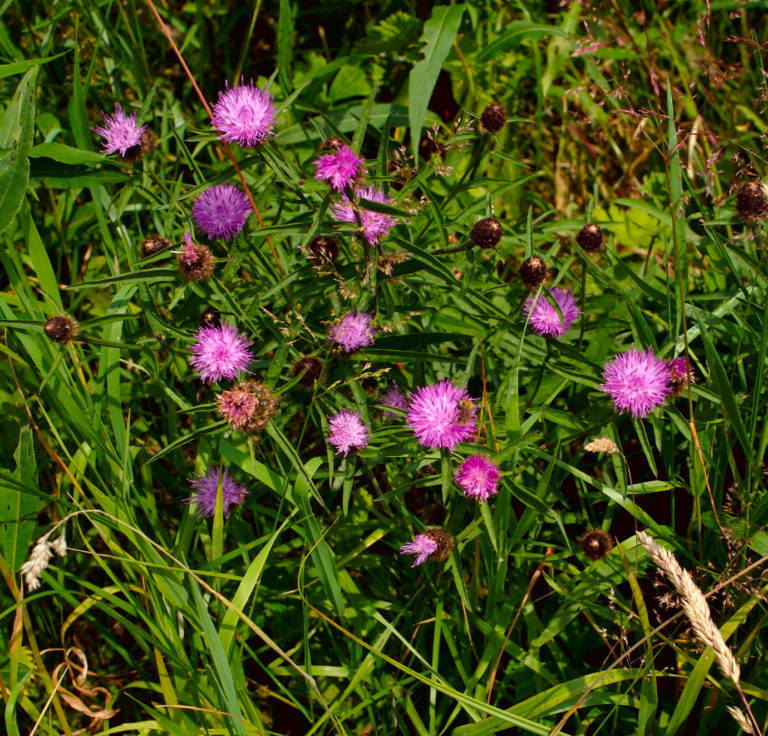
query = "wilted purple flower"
x=206 y=487
x=347 y=431
x=353 y=331
x=244 y=114
x=441 y=415
x=339 y=168
x=220 y=352
x=375 y=224
x=393 y=398
x=120 y=132
x=478 y=476
x=637 y=381
x=421 y=546
x=221 y=211
x=544 y=317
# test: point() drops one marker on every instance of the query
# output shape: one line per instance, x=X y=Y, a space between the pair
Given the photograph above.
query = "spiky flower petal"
x=339 y=168
x=637 y=381
x=220 y=352
x=221 y=211
x=544 y=317
x=120 y=132
x=206 y=487
x=244 y=114
x=375 y=225
x=478 y=477
x=353 y=331
x=441 y=415
x=346 y=431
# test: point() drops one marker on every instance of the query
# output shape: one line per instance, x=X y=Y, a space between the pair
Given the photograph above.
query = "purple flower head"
x=221 y=211
x=347 y=431
x=220 y=352
x=339 y=168
x=120 y=132
x=478 y=476
x=244 y=114
x=394 y=399
x=206 y=487
x=545 y=319
x=637 y=381
x=441 y=415
x=353 y=331
x=375 y=224
x=421 y=546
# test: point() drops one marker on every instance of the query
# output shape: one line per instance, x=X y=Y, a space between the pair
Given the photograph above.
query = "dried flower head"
x=590 y=238
x=486 y=233
x=595 y=543
x=374 y=225
x=434 y=543
x=248 y=406
x=478 y=477
x=244 y=114
x=195 y=262
x=120 y=133
x=545 y=319
x=221 y=211
x=153 y=244
x=602 y=444
x=346 y=431
x=533 y=272
x=310 y=367
x=220 y=352
x=340 y=168
x=323 y=250
x=752 y=202
x=210 y=317
x=493 y=117
x=441 y=415
x=637 y=381
x=353 y=331
x=394 y=399
x=61 y=328
x=207 y=487
x=680 y=375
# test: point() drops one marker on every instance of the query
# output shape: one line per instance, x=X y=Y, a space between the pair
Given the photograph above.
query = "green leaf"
x=439 y=32
x=65 y=154
x=17 y=67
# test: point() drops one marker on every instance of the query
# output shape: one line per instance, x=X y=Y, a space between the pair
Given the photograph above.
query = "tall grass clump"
x=392 y=368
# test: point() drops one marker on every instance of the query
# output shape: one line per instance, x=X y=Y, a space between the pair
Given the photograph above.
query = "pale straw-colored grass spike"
x=741 y=719
x=41 y=556
x=602 y=444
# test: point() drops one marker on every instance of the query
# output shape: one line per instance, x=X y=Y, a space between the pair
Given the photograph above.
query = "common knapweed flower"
x=340 y=168
x=220 y=352
x=346 y=431
x=375 y=225
x=533 y=272
x=434 y=543
x=248 y=406
x=206 y=487
x=637 y=381
x=244 y=114
x=478 y=477
x=394 y=399
x=441 y=415
x=590 y=238
x=195 y=261
x=595 y=543
x=61 y=328
x=120 y=133
x=353 y=331
x=545 y=319
x=221 y=211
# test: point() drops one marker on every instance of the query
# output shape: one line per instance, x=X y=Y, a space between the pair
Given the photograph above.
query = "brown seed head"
x=323 y=250
x=153 y=244
x=486 y=233
x=595 y=543
x=445 y=543
x=752 y=202
x=60 y=329
x=312 y=368
x=195 y=262
x=494 y=117
x=533 y=272
x=590 y=238
x=248 y=406
x=210 y=317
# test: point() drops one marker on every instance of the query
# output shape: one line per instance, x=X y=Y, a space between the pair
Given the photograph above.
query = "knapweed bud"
x=331 y=144
x=486 y=233
x=444 y=541
x=195 y=261
x=60 y=329
x=590 y=238
x=323 y=249
x=311 y=367
x=752 y=202
x=533 y=272
x=210 y=317
x=153 y=244
x=248 y=406
x=595 y=544
x=494 y=117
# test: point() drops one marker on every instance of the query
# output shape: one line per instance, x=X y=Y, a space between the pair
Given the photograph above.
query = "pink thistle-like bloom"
x=244 y=114
x=339 y=168
x=544 y=317
x=394 y=399
x=221 y=211
x=206 y=486
x=478 y=476
x=347 y=431
x=441 y=415
x=421 y=546
x=637 y=381
x=120 y=132
x=219 y=352
x=353 y=331
x=375 y=225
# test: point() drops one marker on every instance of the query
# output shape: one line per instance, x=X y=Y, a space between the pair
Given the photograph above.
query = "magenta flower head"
x=637 y=381
x=441 y=415
x=680 y=375
x=478 y=477
x=244 y=114
x=545 y=319
x=394 y=399
x=219 y=352
x=206 y=487
x=340 y=168
x=120 y=132
x=221 y=211
x=347 y=431
x=353 y=331
x=375 y=225
x=434 y=543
